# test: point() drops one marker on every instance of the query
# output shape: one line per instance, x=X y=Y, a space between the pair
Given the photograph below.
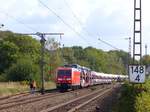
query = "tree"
x=22 y=52
x=53 y=58
x=78 y=53
x=27 y=46
x=146 y=60
x=118 y=61
x=9 y=54
x=24 y=69
x=68 y=55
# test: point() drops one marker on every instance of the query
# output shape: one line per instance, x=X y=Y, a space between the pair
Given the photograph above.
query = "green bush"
x=126 y=102
x=3 y=77
x=25 y=82
x=23 y=70
x=143 y=102
x=134 y=98
x=143 y=98
x=146 y=86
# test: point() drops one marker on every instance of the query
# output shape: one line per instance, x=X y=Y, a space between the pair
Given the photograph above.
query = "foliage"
x=146 y=60
x=21 y=54
x=142 y=99
x=53 y=59
x=126 y=101
x=3 y=77
x=78 y=54
x=9 y=54
x=20 y=57
x=10 y=88
x=121 y=58
x=24 y=69
x=27 y=45
x=68 y=55
x=143 y=103
x=134 y=98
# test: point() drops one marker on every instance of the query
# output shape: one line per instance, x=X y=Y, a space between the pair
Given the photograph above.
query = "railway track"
x=14 y=96
x=75 y=104
x=22 y=97
x=23 y=101
x=17 y=96
x=16 y=101
x=43 y=102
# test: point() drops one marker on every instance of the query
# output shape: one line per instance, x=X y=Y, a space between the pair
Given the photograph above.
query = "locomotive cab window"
x=64 y=72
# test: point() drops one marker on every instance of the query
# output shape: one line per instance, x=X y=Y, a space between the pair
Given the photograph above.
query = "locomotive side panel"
x=76 y=78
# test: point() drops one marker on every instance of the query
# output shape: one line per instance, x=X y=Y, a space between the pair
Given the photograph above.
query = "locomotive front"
x=68 y=78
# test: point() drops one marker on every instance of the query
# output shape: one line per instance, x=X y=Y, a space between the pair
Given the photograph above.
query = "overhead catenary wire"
x=19 y=21
x=78 y=20
x=61 y=19
x=68 y=25
x=108 y=44
x=74 y=15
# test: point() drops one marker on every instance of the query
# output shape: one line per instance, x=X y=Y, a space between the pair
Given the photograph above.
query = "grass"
x=10 y=88
x=134 y=98
x=50 y=85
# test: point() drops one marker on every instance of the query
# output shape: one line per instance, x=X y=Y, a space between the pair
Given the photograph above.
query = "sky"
x=81 y=21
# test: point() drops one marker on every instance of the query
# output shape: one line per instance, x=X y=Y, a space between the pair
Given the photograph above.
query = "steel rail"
x=85 y=103
x=13 y=103
x=24 y=101
x=74 y=100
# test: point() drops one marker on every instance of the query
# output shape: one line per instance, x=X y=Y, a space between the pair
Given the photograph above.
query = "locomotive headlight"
x=68 y=78
x=59 y=79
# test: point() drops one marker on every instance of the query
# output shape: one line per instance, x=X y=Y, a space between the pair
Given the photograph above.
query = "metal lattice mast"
x=137 y=36
x=145 y=49
x=129 y=49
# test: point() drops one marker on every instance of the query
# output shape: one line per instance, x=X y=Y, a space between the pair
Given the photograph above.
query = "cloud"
x=112 y=19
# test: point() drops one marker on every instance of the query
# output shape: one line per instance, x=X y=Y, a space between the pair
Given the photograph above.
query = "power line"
x=67 y=4
x=19 y=21
x=69 y=26
x=129 y=48
x=74 y=15
x=108 y=44
x=77 y=19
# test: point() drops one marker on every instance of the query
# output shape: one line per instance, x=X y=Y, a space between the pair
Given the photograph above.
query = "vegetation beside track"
x=134 y=98
x=11 y=88
x=21 y=56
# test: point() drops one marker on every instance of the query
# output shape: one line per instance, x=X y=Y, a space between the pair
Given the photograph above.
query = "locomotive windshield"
x=64 y=72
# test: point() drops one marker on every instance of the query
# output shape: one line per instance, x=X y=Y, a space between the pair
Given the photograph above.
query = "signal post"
x=137 y=70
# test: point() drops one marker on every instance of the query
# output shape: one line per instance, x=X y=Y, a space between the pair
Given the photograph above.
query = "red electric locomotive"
x=68 y=78
x=73 y=76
